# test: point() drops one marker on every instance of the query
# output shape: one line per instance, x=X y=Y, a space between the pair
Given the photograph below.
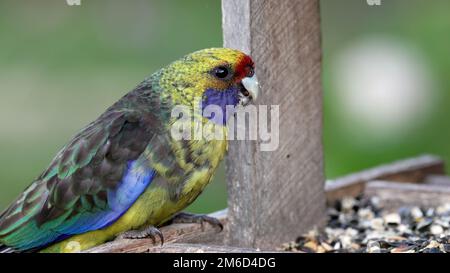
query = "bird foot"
x=184 y=217
x=148 y=232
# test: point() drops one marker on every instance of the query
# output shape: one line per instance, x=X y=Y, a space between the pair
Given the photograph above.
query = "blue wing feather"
x=136 y=179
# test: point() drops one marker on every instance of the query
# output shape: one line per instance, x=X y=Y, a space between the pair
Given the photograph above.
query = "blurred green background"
x=385 y=77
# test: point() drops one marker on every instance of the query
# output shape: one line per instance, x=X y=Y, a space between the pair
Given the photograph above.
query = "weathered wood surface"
x=199 y=248
x=174 y=233
x=414 y=170
x=393 y=195
x=276 y=196
x=442 y=180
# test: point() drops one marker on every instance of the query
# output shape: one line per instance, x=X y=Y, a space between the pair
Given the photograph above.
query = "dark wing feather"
x=71 y=196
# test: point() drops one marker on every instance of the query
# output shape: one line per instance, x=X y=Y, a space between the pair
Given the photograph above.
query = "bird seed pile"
x=361 y=225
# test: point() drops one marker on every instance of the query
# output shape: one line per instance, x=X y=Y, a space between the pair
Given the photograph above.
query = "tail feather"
x=5 y=249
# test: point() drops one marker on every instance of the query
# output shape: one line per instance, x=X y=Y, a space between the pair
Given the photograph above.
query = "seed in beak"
x=245 y=93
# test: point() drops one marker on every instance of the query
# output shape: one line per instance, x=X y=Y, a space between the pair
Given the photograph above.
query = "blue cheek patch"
x=220 y=98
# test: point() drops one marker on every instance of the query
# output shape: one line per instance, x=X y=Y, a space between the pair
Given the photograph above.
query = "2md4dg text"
x=225 y=263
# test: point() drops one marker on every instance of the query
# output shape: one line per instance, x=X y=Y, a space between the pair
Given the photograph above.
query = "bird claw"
x=184 y=217
x=149 y=232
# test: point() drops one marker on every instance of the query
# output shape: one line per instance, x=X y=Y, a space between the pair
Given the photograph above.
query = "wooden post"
x=276 y=196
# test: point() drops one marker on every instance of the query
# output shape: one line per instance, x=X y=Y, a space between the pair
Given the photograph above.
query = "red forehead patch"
x=244 y=67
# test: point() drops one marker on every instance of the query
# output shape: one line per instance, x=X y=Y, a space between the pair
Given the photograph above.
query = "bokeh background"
x=386 y=76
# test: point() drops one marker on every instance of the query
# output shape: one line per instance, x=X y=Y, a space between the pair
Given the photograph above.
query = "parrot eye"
x=221 y=72
x=251 y=72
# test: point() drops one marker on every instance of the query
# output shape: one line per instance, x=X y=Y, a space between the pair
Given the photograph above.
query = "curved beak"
x=252 y=86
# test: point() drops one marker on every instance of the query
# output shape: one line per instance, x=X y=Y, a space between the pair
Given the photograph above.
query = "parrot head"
x=214 y=76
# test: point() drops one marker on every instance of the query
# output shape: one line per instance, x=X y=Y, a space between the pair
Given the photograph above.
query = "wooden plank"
x=442 y=180
x=413 y=170
x=276 y=196
x=199 y=248
x=175 y=233
x=393 y=195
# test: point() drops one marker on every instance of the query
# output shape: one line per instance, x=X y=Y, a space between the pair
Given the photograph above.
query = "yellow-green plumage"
x=128 y=152
x=153 y=207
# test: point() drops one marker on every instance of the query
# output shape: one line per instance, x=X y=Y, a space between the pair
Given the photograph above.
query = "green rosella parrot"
x=124 y=174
